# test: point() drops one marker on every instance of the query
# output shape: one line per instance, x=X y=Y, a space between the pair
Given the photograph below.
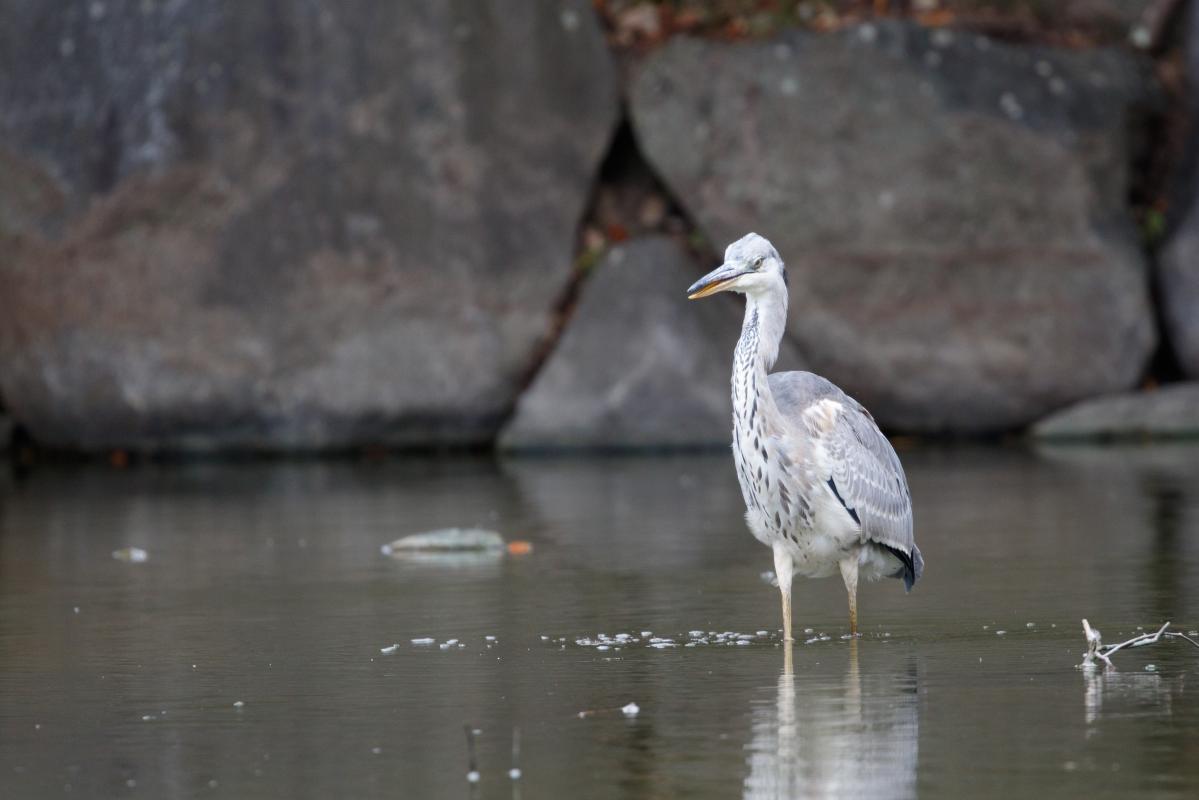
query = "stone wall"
x=312 y=227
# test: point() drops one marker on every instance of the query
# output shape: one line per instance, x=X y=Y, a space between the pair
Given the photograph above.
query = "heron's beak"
x=715 y=281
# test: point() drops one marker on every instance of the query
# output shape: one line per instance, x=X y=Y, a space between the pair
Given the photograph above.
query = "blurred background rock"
x=289 y=228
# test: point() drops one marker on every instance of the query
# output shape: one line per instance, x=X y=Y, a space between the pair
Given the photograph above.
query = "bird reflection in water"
x=828 y=738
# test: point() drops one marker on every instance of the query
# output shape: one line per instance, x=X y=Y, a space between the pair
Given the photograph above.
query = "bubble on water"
x=1000 y=633
x=631 y=710
x=423 y=640
x=376 y=750
x=391 y=648
x=514 y=773
x=472 y=776
x=239 y=704
x=602 y=647
x=1151 y=667
x=132 y=555
x=809 y=631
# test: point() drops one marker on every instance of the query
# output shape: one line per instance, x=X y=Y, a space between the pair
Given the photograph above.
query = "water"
x=265 y=585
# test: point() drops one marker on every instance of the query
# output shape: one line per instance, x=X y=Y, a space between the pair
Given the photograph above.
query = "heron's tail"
x=912 y=574
x=912 y=565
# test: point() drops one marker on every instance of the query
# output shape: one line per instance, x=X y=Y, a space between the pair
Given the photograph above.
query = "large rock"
x=1168 y=412
x=288 y=225
x=951 y=209
x=639 y=365
x=1178 y=262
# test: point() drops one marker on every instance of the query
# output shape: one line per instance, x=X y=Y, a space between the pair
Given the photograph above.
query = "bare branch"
x=1097 y=650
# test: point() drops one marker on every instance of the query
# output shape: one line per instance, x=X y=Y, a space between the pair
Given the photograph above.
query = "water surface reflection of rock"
x=824 y=737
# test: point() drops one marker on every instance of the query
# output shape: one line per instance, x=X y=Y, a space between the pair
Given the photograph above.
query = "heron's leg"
x=784 y=569
x=849 y=574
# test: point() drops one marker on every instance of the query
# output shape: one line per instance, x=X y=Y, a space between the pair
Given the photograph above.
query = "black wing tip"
x=913 y=565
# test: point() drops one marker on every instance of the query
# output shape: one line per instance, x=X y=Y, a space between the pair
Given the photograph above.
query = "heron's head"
x=751 y=266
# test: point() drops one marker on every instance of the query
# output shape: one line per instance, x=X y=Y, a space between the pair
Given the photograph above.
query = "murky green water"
x=265 y=585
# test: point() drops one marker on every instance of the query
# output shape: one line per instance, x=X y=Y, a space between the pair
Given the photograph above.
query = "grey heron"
x=823 y=487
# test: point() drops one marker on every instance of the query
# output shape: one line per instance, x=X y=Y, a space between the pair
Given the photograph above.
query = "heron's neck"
x=757 y=349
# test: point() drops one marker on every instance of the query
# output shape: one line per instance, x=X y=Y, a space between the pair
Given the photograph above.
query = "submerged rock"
x=639 y=365
x=1168 y=412
x=288 y=226
x=951 y=209
x=445 y=540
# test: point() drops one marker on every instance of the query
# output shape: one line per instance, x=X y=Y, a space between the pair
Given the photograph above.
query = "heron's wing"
x=854 y=460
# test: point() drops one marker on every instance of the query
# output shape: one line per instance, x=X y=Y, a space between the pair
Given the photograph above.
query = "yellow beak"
x=715 y=281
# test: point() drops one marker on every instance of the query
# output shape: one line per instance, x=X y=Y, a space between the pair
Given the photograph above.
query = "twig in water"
x=1096 y=649
x=629 y=710
x=514 y=773
x=472 y=774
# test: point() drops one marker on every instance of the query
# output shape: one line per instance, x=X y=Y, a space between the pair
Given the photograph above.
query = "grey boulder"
x=1168 y=412
x=639 y=365
x=288 y=226
x=1178 y=262
x=951 y=209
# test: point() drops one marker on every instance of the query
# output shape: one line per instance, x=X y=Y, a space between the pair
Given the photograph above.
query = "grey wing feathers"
x=865 y=469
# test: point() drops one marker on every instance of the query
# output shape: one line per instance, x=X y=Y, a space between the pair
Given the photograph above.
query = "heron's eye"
x=758 y=262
